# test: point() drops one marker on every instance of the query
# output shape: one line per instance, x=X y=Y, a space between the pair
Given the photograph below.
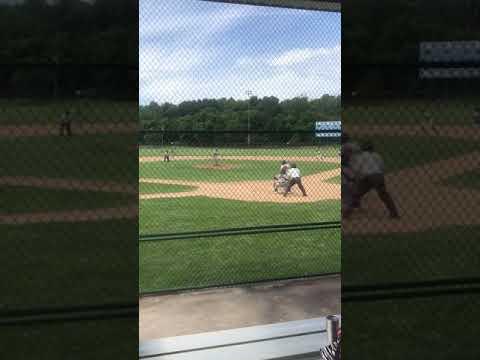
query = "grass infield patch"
x=200 y=213
x=235 y=259
x=150 y=188
x=469 y=180
x=240 y=170
x=25 y=199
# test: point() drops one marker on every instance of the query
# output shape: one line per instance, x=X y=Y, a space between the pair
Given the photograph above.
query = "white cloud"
x=294 y=57
x=191 y=27
x=178 y=61
x=297 y=56
x=314 y=81
x=159 y=60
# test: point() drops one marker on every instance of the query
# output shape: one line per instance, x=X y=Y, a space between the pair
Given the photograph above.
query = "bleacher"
x=289 y=340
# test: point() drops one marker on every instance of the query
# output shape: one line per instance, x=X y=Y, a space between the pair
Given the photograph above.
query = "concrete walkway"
x=223 y=309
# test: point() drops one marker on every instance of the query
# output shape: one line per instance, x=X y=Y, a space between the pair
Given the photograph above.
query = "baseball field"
x=57 y=192
x=195 y=191
x=433 y=177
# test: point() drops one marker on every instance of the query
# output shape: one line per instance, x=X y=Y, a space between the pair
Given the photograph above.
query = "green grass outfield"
x=41 y=259
x=290 y=153
x=411 y=112
x=38 y=112
x=227 y=260
x=469 y=180
x=430 y=255
x=200 y=213
x=410 y=328
x=96 y=255
x=108 y=157
x=24 y=199
x=242 y=170
x=232 y=259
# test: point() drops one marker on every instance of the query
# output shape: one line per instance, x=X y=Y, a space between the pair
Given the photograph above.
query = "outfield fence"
x=218 y=204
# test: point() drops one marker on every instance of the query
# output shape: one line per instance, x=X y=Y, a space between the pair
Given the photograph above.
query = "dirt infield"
x=317 y=186
x=77 y=129
x=126 y=212
x=73 y=216
x=423 y=200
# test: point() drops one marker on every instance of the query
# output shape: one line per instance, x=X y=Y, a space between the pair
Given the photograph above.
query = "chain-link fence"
x=68 y=211
x=236 y=185
x=237 y=207
x=409 y=243
x=68 y=179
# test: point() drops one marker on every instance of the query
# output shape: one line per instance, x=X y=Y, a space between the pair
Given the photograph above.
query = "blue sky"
x=192 y=49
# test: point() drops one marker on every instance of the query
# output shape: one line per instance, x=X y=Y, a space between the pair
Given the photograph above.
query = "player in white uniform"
x=369 y=170
x=295 y=178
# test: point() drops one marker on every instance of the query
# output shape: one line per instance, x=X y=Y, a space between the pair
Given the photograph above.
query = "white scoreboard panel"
x=450 y=51
x=328 y=129
x=449 y=73
x=438 y=52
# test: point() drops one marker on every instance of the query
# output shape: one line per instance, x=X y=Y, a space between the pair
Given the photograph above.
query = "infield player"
x=66 y=124
x=369 y=169
x=430 y=122
x=216 y=156
x=166 y=156
x=294 y=178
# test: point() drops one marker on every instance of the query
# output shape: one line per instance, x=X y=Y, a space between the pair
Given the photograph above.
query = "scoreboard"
x=450 y=52
x=328 y=129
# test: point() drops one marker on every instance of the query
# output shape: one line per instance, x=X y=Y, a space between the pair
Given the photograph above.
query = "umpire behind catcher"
x=369 y=170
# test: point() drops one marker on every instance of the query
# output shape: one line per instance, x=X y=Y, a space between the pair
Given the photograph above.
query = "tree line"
x=56 y=50
x=263 y=114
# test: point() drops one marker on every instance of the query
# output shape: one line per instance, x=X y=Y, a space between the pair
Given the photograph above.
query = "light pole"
x=249 y=93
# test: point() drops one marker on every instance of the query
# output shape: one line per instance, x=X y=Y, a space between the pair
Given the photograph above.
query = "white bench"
x=289 y=340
